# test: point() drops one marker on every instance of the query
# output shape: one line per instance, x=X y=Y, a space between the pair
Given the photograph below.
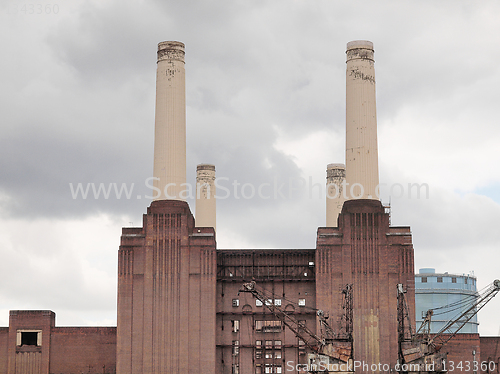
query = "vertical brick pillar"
x=166 y=294
x=30 y=358
x=374 y=257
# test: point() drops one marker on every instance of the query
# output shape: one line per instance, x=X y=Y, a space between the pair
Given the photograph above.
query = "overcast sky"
x=265 y=103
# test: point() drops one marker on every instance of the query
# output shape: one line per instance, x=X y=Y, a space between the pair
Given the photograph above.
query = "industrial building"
x=448 y=295
x=178 y=295
x=180 y=305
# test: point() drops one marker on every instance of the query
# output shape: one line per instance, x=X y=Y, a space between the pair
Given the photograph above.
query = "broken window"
x=29 y=338
x=236 y=347
x=268 y=326
x=235 y=325
x=302 y=347
x=258 y=349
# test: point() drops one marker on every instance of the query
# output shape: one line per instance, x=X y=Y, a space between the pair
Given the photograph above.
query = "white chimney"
x=335 y=180
x=170 y=122
x=205 y=196
x=361 y=122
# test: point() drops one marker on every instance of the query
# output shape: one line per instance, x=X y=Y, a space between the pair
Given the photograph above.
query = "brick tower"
x=167 y=267
x=364 y=250
x=372 y=256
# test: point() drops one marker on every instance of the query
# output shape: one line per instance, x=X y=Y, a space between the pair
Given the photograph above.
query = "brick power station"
x=179 y=306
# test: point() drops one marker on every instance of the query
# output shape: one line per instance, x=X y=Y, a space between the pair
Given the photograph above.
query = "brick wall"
x=83 y=350
x=460 y=353
x=56 y=350
x=4 y=336
x=490 y=352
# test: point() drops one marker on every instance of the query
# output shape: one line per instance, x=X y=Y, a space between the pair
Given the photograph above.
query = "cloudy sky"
x=265 y=104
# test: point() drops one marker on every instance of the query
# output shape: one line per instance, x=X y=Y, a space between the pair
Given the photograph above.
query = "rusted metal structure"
x=422 y=352
x=331 y=352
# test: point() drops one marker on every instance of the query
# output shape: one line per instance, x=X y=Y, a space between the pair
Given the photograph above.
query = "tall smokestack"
x=170 y=122
x=361 y=122
x=205 y=196
x=335 y=182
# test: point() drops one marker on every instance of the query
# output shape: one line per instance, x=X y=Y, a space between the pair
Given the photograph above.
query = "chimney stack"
x=361 y=122
x=335 y=182
x=205 y=196
x=170 y=122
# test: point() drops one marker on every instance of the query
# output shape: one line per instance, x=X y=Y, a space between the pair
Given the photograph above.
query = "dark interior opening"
x=29 y=338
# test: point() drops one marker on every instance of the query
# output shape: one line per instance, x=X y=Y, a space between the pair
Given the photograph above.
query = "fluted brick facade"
x=166 y=294
x=372 y=256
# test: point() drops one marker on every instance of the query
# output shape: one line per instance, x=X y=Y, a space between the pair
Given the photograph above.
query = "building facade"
x=180 y=309
x=179 y=297
x=33 y=344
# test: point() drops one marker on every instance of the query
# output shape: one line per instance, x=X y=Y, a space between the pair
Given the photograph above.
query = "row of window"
x=268 y=353
x=305 y=273
x=272 y=349
x=268 y=344
x=277 y=302
x=263 y=326
x=232 y=273
x=268 y=368
x=268 y=326
x=453 y=280
x=260 y=369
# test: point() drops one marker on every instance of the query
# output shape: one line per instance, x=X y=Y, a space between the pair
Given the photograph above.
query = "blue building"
x=448 y=295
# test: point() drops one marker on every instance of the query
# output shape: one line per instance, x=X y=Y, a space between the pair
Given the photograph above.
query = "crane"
x=332 y=352
x=421 y=352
